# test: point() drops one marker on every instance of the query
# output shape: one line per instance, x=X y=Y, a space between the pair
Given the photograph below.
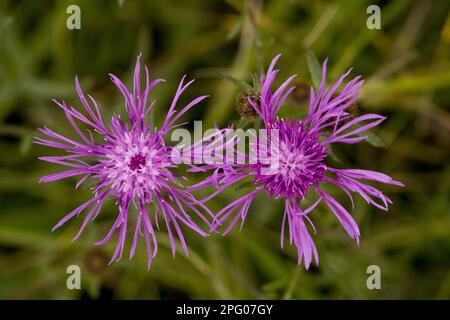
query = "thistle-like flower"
x=131 y=164
x=301 y=148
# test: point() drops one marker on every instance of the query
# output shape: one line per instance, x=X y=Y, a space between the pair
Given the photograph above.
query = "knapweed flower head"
x=300 y=148
x=131 y=164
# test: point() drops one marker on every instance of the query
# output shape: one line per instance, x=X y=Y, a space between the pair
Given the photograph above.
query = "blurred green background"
x=406 y=65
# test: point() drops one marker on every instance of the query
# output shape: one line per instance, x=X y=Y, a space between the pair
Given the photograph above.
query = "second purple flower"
x=301 y=148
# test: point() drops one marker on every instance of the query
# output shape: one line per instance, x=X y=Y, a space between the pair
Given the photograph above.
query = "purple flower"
x=131 y=164
x=301 y=147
